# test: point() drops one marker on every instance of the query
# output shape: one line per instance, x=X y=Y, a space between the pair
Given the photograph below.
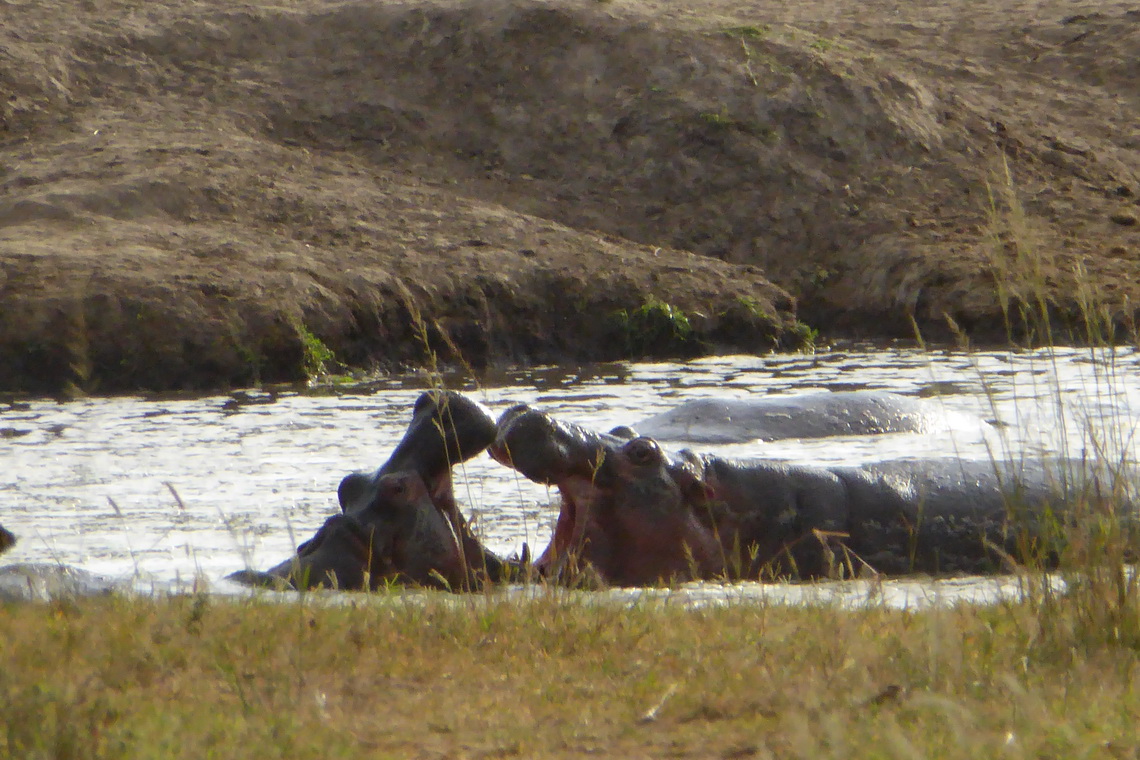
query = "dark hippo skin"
x=941 y=516
x=400 y=537
x=375 y=535
x=814 y=415
x=7 y=540
x=639 y=515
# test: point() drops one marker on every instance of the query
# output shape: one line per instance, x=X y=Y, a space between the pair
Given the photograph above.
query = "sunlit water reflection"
x=164 y=491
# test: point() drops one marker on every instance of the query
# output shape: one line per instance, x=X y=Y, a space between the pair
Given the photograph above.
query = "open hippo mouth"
x=446 y=429
x=624 y=510
x=564 y=455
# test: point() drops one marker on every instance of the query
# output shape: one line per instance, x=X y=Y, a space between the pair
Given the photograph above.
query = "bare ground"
x=190 y=189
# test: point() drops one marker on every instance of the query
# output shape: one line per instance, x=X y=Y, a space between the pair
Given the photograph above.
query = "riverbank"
x=194 y=195
x=435 y=675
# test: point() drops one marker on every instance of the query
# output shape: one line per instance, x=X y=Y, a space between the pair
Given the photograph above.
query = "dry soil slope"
x=880 y=160
x=182 y=186
x=159 y=229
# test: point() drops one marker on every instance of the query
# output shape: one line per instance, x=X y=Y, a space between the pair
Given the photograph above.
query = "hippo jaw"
x=572 y=534
x=546 y=450
x=343 y=554
x=425 y=549
x=563 y=455
x=446 y=428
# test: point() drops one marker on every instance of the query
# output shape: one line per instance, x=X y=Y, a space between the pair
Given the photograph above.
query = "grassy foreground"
x=486 y=676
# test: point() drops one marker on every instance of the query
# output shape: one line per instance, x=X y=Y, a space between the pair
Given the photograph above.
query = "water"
x=163 y=491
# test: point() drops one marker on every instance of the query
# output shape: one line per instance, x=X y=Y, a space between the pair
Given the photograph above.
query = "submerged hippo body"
x=401 y=524
x=43 y=582
x=638 y=515
x=938 y=516
x=815 y=415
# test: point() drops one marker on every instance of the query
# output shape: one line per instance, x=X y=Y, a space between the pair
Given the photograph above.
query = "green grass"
x=807 y=337
x=656 y=328
x=824 y=44
x=485 y=676
x=315 y=355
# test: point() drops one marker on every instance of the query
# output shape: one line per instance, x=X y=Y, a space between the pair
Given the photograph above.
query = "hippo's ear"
x=689 y=477
x=353 y=490
x=624 y=432
x=697 y=492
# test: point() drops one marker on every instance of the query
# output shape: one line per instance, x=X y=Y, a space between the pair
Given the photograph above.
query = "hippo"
x=814 y=415
x=7 y=540
x=638 y=515
x=401 y=523
x=623 y=515
x=400 y=537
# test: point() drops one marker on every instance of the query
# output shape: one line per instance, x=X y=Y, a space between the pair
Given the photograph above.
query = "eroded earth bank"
x=193 y=194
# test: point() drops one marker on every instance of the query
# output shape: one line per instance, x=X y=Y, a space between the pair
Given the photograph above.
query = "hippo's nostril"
x=643 y=451
x=424 y=400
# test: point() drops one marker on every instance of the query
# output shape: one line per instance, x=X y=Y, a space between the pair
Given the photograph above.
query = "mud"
x=194 y=194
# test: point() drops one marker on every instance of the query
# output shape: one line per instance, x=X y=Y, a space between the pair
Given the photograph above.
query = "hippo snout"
x=542 y=448
x=511 y=414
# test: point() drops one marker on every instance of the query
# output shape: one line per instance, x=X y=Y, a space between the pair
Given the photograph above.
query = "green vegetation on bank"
x=435 y=675
x=658 y=329
x=315 y=354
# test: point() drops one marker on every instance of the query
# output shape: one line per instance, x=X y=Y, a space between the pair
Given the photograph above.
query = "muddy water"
x=159 y=492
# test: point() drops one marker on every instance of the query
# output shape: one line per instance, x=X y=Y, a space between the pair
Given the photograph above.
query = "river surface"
x=160 y=492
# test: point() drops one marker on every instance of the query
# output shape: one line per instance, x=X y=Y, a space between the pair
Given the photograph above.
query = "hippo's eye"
x=643 y=451
x=393 y=488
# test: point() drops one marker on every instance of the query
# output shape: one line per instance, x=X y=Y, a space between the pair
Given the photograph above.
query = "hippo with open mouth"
x=401 y=524
x=624 y=508
x=399 y=537
x=638 y=515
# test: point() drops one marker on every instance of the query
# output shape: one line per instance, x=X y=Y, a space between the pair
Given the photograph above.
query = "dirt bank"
x=191 y=192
